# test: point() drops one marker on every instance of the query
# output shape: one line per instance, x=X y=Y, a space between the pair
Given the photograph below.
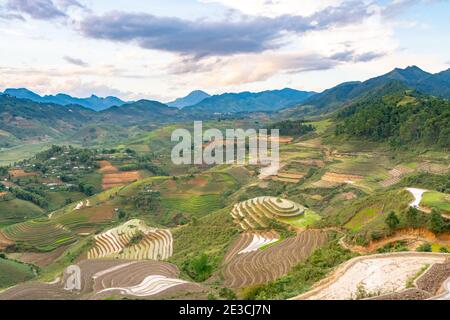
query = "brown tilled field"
x=42 y=259
x=37 y=291
x=134 y=273
x=262 y=266
x=107 y=167
x=99 y=213
x=112 y=180
x=113 y=177
x=19 y=173
x=104 y=278
x=198 y=182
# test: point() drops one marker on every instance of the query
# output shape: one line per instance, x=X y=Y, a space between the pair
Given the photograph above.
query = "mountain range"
x=25 y=116
x=437 y=84
x=93 y=102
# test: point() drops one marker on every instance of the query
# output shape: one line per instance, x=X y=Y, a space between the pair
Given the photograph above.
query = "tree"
x=392 y=220
x=443 y=249
x=437 y=223
x=198 y=268
x=412 y=217
x=425 y=247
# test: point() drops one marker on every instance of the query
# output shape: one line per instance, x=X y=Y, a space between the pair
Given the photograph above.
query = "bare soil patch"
x=42 y=259
x=198 y=182
x=20 y=173
x=107 y=167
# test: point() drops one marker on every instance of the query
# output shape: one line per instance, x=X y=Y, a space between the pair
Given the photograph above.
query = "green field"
x=57 y=199
x=17 y=210
x=303 y=221
x=39 y=235
x=12 y=272
x=194 y=205
x=436 y=200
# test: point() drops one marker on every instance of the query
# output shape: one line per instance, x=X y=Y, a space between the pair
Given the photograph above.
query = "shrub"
x=392 y=220
x=425 y=247
x=198 y=268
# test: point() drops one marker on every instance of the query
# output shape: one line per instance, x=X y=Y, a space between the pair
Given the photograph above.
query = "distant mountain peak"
x=191 y=99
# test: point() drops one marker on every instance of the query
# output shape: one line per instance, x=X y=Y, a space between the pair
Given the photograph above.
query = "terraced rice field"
x=37 y=291
x=150 y=286
x=243 y=269
x=395 y=175
x=260 y=240
x=5 y=242
x=140 y=279
x=104 y=278
x=255 y=213
x=42 y=235
x=288 y=177
x=154 y=244
x=377 y=274
x=88 y=218
x=341 y=177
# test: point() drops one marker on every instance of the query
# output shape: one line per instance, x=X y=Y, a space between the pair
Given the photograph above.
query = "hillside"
x=141 y=112
x=412 y=77
x=403 y=118
x=248 y=101
x=27 y=120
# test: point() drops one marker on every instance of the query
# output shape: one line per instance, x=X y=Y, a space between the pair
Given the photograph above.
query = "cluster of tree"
x=147 y=200
x=3 y=172
x=66 y=157
x=198 y=268
x=430 y=181
x=30 y=196
x=144 y=163
x=86 y=188
x=292 y=127
x=413 y=218
x=398 y=118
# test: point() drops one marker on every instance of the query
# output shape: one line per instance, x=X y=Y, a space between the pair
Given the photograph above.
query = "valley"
x=353 y=213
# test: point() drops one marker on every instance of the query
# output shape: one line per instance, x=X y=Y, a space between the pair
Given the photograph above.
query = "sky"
x=162 y=50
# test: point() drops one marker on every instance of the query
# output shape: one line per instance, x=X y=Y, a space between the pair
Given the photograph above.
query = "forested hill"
x=403 y=118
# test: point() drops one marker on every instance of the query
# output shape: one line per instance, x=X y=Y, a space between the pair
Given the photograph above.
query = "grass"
x=361 y=218
x=17 y=210
x=321 y=126
x=12 y=272
x=366 y=215
x=57 y=199
x=410 y=281
x=436 y=200
x=212 y=235
x=302 y=221
x=194 y=205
